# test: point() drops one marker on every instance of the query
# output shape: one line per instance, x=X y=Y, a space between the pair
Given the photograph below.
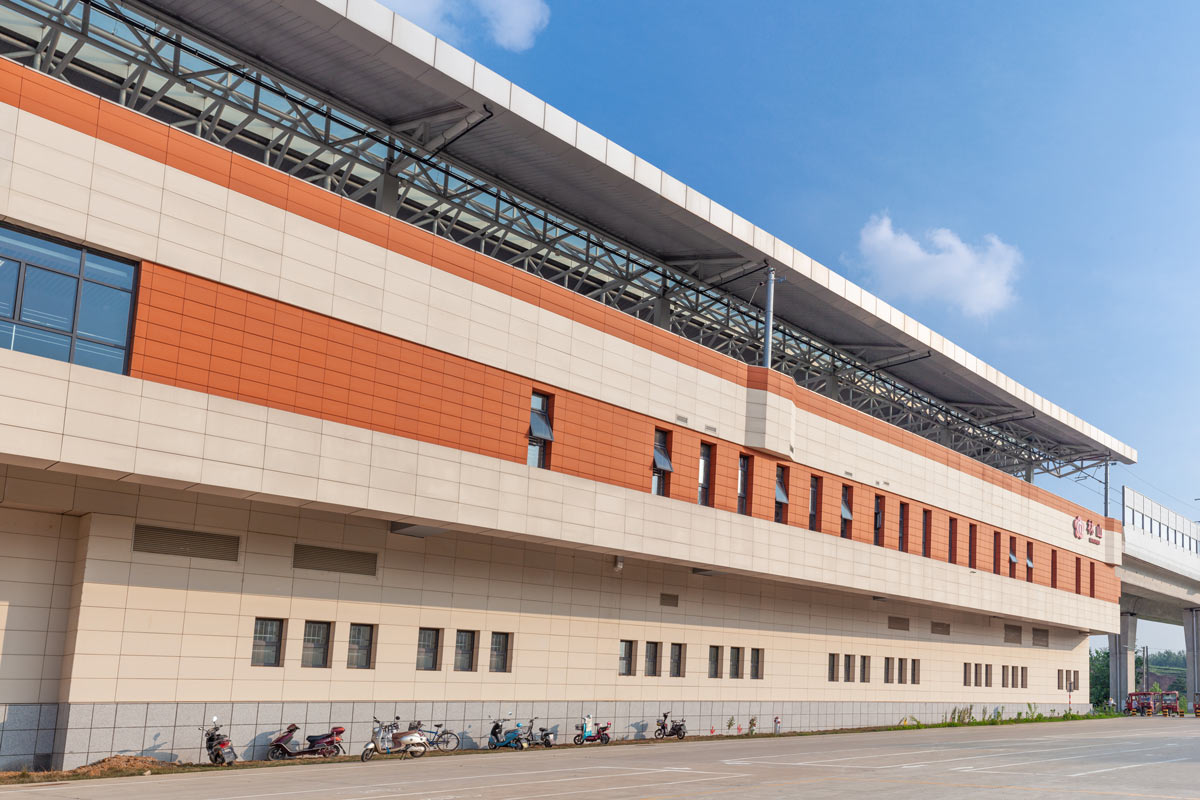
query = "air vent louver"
x=190 y=544
x=332 y=559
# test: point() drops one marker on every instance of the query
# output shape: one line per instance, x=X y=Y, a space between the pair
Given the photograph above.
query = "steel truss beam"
x=124 y=52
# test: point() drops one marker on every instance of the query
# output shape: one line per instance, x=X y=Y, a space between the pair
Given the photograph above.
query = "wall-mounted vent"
x=681 y=419
x=940 y=628
x=710 y=428
x=897 y=623
x=332 y=559
x=191 y=544
x=1041 y=637
x=1012 y=634
x=669 y=600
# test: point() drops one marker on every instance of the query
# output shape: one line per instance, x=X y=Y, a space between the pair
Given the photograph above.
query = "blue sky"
x=1055 y=145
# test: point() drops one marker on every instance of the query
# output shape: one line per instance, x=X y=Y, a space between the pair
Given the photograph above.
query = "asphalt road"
x=1142 y=758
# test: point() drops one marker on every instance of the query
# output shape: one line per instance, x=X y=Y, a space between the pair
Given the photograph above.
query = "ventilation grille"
x=191 y=544
x=1012 y=634
x=940 y=628
x=670 y=600
x=1041 y=637
x=898 y=623
x=332 y=559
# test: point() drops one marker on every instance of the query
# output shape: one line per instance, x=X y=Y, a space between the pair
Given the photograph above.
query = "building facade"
x=282 y=444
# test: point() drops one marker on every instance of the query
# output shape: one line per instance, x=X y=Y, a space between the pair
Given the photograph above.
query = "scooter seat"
x=318 y=737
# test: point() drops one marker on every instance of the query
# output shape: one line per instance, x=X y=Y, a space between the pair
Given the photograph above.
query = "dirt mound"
x=107 y=766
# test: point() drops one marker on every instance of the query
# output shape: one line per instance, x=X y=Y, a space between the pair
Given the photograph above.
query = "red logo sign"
x=1092 y=530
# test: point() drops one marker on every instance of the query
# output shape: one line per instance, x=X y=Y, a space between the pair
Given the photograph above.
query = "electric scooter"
x=513 y=737
x=325 y=745
x=387 y=737
x=217 y=745
x=678 y=728
x=543 y=736
x=589 y=733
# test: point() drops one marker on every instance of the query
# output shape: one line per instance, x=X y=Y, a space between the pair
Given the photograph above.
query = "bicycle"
x=439 y=739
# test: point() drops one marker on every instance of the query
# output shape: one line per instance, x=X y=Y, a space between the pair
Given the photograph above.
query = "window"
x=653 y=654
x=429 y=649
x=1075 y=680
x=743 y=484
x=1024 y=677
x=781 y=495
x=64 y=302
x=847 y=515
x=987 y=675
x=902 y=528
x=735 y=662
x=714 y=661
x=1060 y=679
x=996 y=552
x=678 y=659
x=971 y=548
x=501 y=657
x=833 y=667
x=1012 y=556
x=814 y=503
x=1029 y=562
x=756 y=664
x=901 y=670
x=848 y=668
x=625 y=656
x=316 y=645
x=927 y=533
x=940 y=628
x=966 y=673
x=1078 y=575
x=878 y=519
x=704 y=495
x=978 y=674
x=1091 y=579
x=864 y=669
x=668 y=600
x=1041 y=637
x=361 y=652
x=898 y=623
x=953 y=555
x=464 y=651
x=541 y=434
x=888 y=673
x=1012 y=634
x=1054 y=569
x=661 y=470
x=1004 y=676
x=916 y=671
x=268 y=643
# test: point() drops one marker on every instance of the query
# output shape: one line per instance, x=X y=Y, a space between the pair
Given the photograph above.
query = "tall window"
x=814 y=503
x=901 y=670
x=743 y=484
x=1029 y=562
x=781 y=495
x=971 y=545
x=1024 y=677
x=927 y=533
x=878 y=519
x=714 y=661
x=848 y=668
x=625 y=656
x=889 y=675
x=429 y=649
x=996 y=552
x=660 y=473
x=268 y=643
x=916 y=671
x=501 y=657
x=1004 y=676
x=1078 y=575
x=64 y=302
x=756 y=664
x=953 y=554
x=678 y=659
x=833 y=667
x=464 y=651
x=966 y=673
x=1054 y=569
x=847 y=512
x=979 y=674
x=903 y=527
x=704 y=494
x=735 y=662
x=653 y=654
x=362 y=646
x=1091 y=579
x=316 y=645
x=987 y=675
x=864 y=669
x=541 y=433
x=1012 y=556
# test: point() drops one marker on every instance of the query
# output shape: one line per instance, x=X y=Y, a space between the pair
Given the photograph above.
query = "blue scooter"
x=513 y=737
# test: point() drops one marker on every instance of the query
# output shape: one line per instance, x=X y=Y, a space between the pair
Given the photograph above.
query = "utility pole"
x=1145 y=668
x=768 y=332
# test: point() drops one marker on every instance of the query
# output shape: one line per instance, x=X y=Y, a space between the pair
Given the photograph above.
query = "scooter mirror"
x=214 y=719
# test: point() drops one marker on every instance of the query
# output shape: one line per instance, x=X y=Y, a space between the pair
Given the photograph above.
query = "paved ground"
x=1142 y=758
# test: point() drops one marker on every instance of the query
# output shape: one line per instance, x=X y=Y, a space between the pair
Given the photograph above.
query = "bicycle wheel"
x=446 y=741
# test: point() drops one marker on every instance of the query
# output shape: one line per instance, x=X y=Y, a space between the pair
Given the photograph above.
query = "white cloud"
x=511 y=24
x=978 y=281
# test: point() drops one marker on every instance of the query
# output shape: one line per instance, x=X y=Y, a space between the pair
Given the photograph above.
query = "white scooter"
x=387 y=738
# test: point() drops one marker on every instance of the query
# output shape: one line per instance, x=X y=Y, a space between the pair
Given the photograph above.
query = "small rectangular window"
x=898 y=623
x=429 y=649
x=756 y=663
x=927 y=533
x=501 y=655
x=901 y=670
x=464 y=651
x=678 y=659
x=971 y=545
x=878 y=520
x=987 y=675
x=653 y=654
x=864 y=669
x=1091 y=579
x=704 y=492
x=1060 y=680
x=781 y=495
x=661 y=467
x=744 y=480
x=1078 y=575
x=847 y=512
x=1004 y=676
x=979 y=674
x=668 y=600
x=916 y=670
x=268 y=643
x=541 y=433
x=1012 y=634
x=316 y=645
x=714 y=661
x=1012 y=556
x=902 y=528
x=814 y=503
x=1054 y=569
x=952 y=557
x=1029 y=562
x=966 y=673
x=940 y=628
x=833 y=667
x=996 y=552
x=625 y=657
x=735 y=662
x=1041 y=637
x=848 y=668
x=1024 y=677
x=888 y=671
x=360 y=654
x=1075 y=680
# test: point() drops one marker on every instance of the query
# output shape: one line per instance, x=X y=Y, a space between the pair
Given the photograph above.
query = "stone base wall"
x=65 y=736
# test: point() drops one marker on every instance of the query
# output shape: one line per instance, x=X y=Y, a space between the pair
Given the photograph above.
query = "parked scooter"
x=325 y=745
x=387 y=738
x=588 y=732
x=217 y=745
x=677 y=728
x=513 y=737
x=541 y=736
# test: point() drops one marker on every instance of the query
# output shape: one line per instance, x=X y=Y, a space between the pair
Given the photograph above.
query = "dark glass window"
x=735 y=662
x=362 y=643
x=63 y=302
x=903 y=528
x=832 y=675
x=704 y=493
x=541 y=434
x=316 y=645
x=653 y=653
x=756 y=664
x=429 y=646
x=714 y=661
x=662 y=467
x=677 y=659
x=879 y=506
x=501 y=646
x=971 y=536
x=847 y=512
x=781 y=495
x=814 y=503
x=268 y=643
x=864 y=669
x=464 y=651
x=743 y=485
x=953 y=556
x=848 y=668
x=625 y=657
x=927 y=533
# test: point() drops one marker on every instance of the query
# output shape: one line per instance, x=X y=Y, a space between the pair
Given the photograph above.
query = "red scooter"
x=324 y=745
x=589 y=733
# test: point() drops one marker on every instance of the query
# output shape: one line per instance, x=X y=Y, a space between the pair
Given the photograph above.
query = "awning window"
x=662 y=461
x=780 y=492
x=846 y=511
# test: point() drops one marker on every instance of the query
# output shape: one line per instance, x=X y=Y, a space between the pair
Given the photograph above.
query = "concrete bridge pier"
x=1191 y=637
x=1121 y=656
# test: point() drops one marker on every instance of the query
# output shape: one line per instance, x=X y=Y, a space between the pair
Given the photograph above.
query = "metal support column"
x=1191 y=638
x=1106 y=465
x=769 y=325
x=1121 y=659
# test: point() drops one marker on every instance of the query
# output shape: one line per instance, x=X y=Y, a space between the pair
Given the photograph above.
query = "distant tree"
x=1179 y=684
x=1098 y=674
x=1168 y=658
